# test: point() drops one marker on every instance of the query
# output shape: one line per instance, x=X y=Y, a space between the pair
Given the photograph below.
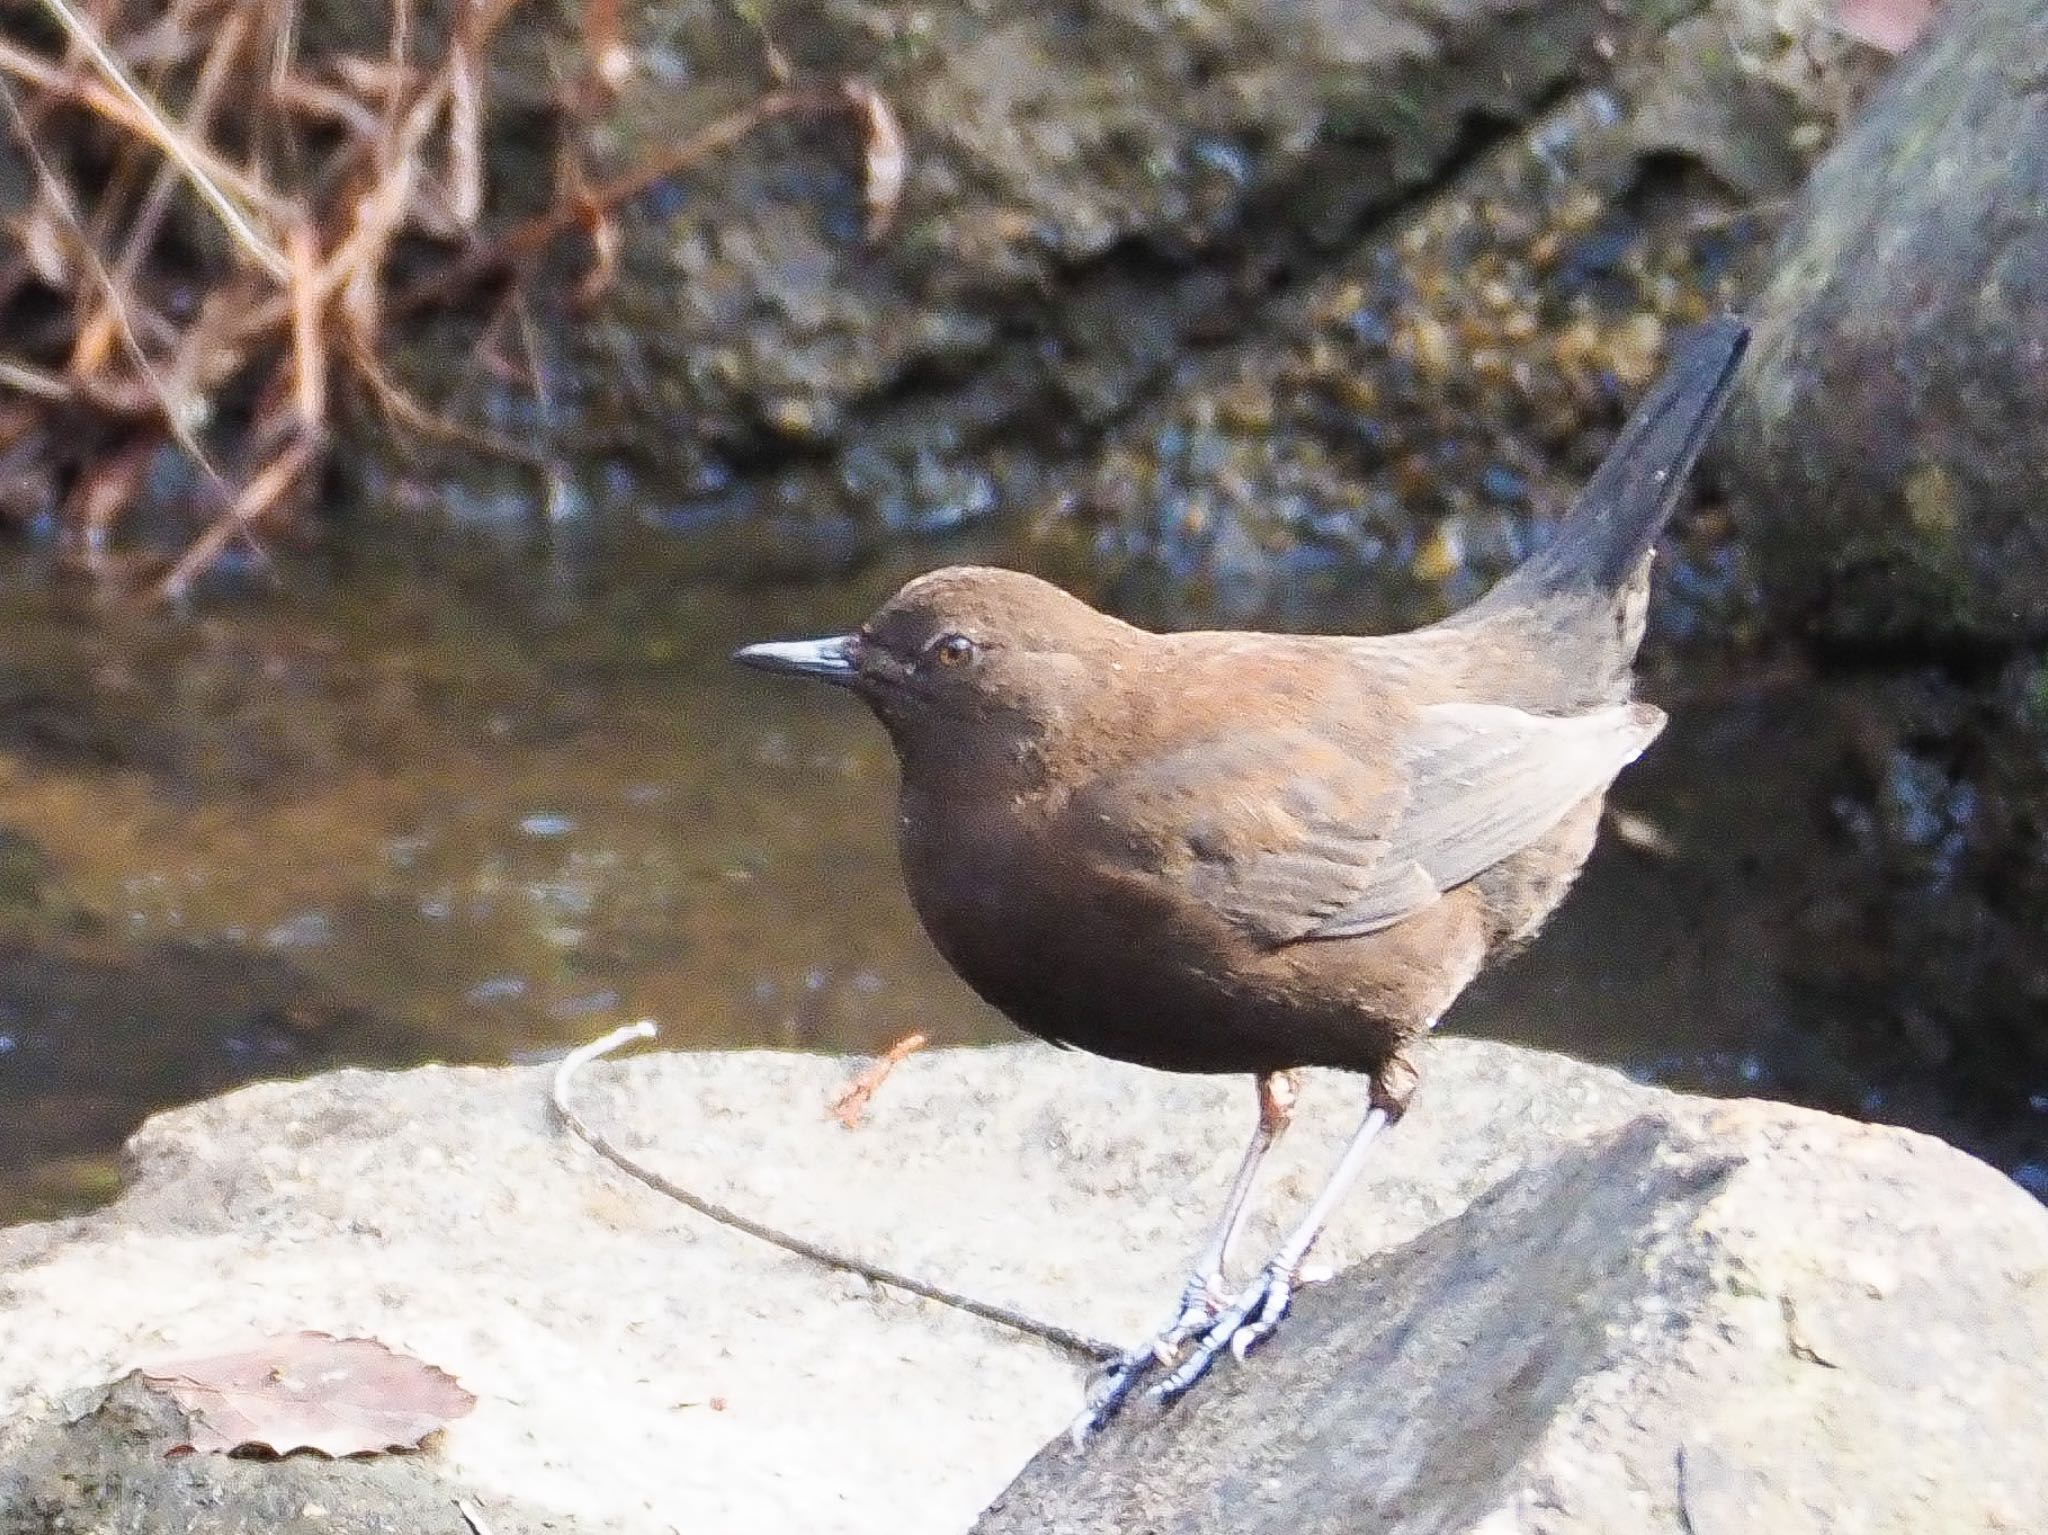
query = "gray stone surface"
x=1704 y=1322
x=641 y=1370
x=1890 y=439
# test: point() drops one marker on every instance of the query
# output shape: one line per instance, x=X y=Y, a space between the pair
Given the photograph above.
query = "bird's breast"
x=972 y=870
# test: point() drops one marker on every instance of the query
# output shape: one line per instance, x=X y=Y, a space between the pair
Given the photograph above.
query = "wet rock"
x=1085 y=190
x=1889 y=441
x=1558 y=1262
x=1885 y=453
x=1828 y=878
x=1091 y=196
x=1395 y=434
x=1924 y=939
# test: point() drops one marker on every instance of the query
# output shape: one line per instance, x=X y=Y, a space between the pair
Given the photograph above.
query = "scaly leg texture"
x=1204 y=1295
x=1257 y=1311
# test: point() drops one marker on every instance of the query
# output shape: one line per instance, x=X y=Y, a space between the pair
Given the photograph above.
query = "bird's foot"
x=1201 y=1300
x=1109 y=1390
x=1240 y=1327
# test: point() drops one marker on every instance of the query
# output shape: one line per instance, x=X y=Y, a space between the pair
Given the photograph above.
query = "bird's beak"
x=829 y=660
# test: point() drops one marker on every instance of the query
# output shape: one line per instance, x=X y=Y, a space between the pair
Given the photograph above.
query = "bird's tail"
x=1602 y=541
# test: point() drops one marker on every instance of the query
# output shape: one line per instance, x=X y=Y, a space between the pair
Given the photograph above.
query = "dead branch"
x=58 y=81
x=523 y=241
x=97 y=335
x=177 y=414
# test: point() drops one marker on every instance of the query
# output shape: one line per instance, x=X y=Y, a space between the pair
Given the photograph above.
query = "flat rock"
x=1642 y=1274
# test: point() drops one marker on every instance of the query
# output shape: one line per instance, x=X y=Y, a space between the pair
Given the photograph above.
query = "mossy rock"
x=1890 y=439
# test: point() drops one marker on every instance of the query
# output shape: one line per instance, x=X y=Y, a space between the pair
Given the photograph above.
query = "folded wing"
x=1292 y=836
x=1485 y=781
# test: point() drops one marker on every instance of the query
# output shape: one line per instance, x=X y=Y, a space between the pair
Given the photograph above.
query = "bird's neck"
x=972 y=765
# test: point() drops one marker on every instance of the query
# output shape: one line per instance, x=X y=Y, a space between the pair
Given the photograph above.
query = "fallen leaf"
x=311 y=1391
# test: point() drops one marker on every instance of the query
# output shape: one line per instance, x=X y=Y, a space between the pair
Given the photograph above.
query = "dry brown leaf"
x=888 y=157
x=311 y=1391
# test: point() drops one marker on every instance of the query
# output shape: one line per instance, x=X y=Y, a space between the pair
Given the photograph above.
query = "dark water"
x=431 y=803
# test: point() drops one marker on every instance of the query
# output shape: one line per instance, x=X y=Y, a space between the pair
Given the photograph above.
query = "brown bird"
x=1223 y=852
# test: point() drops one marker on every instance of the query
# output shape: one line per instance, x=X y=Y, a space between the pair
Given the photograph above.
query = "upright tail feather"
x=1619 y=514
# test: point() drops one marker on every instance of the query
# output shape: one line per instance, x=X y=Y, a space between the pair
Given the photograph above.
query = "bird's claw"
x=1239 y=1327
x=1211 y=1324
x=1109 y=1390
x=1258 y=1328
x=1201 y=1300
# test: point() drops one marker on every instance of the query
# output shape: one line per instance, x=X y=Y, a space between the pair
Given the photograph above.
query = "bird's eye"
x=951 y=650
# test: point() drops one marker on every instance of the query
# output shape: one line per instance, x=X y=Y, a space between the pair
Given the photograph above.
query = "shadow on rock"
x=1411 y=1392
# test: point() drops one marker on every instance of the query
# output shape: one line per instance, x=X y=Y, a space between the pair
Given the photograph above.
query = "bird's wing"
x=1484 y=781
x=1292 y=835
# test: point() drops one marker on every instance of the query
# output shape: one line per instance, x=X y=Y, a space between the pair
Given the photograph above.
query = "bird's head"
x=967 y=662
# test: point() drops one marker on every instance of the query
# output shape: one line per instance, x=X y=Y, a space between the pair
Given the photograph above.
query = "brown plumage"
x=1252 y=852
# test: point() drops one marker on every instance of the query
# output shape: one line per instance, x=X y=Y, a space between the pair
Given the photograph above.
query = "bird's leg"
x=1203 y=1296
x=1257 y=1311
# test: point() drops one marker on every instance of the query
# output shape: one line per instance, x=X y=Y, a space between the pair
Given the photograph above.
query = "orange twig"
x=852 y=1102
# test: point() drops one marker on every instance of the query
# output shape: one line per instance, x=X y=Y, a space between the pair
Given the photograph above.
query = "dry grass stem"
x=226 y=220
x=59 y=81
x=169 y=139
x=852 y=1103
